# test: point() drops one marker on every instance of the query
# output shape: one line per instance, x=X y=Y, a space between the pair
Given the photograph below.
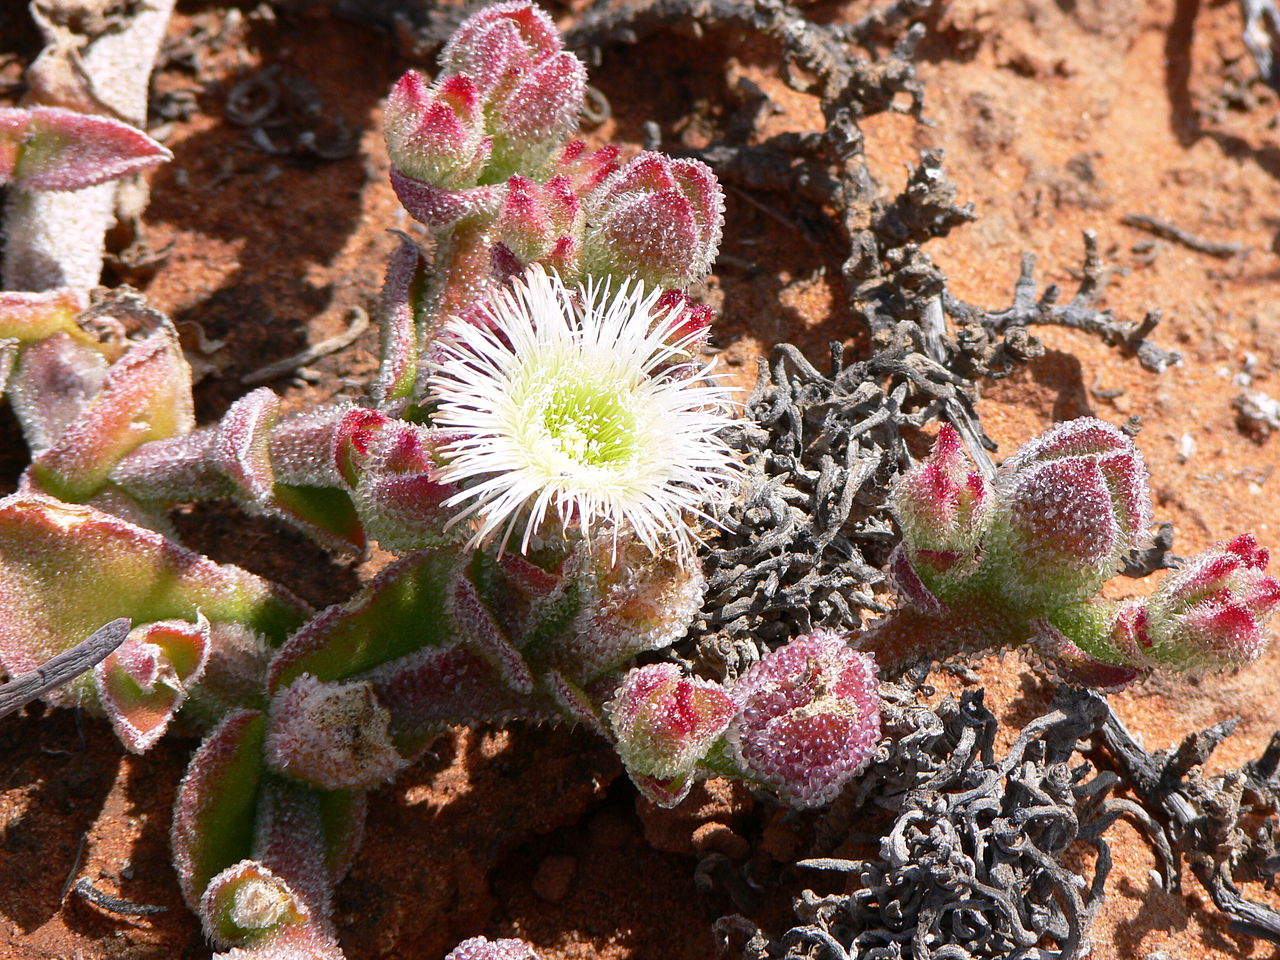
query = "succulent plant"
x=541 y=452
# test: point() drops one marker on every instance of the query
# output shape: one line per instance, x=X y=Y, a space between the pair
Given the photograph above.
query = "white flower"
x=583 y=403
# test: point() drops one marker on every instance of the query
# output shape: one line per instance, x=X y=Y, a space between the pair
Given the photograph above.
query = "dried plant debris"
x=803 y=546
x=989 y=341
x=1226 y=828
x=973 y=863
x=285 y=116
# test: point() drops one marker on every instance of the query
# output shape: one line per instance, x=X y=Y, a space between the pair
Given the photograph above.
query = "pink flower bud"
x=482 y=948
x=1211 y=613
x=808 y=717
x=664 y=723
x=586 y=171
x=535 y=217
x=539 y=113
x=943 y=505
x=499 y=42
x=694 y=327
x=436 y=134
x=1071 y=505
x=656 y=218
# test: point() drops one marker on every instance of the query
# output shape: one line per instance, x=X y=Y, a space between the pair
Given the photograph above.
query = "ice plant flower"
x=566 y=402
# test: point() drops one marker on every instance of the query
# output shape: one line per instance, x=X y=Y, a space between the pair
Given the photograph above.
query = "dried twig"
x=21 y=690
x=1205 y=817
x=359 y=324
x=981 y=328
x=1168 y=231
x=85 y=888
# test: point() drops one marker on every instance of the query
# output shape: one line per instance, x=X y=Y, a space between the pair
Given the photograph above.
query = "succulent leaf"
x=214 y=815
x=146 y=395
x=66 y=569
x=396 y=614
x=145 y=681
x=48 y=148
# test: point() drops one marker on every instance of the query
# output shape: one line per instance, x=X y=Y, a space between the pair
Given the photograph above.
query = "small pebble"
x=553 y=877
x=716 y=837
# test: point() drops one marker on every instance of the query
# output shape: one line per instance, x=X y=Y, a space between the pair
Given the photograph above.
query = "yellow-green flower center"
x=590 y=425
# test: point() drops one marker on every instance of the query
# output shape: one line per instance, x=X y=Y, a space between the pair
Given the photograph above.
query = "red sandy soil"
x=1055 y=117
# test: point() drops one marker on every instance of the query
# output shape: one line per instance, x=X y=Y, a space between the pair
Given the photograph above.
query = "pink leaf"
x=49 y=148
x=402 y=291
x=52 y=383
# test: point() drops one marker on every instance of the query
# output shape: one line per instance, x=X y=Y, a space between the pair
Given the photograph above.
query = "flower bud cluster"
x=1029 y=553
x=802 y=722
x=507 y=97
x=487 y=144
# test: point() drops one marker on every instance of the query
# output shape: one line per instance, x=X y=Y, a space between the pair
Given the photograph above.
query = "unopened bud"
x=534 y=217
x=1211 y=614
x=656 y=218
x=586 y=171
x=539 y=113
x=1071 y=505
x=664 y=723
x=943 y=505
x=500 y=42
x=436 y=134
x=808 y=717
x=482 y=948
